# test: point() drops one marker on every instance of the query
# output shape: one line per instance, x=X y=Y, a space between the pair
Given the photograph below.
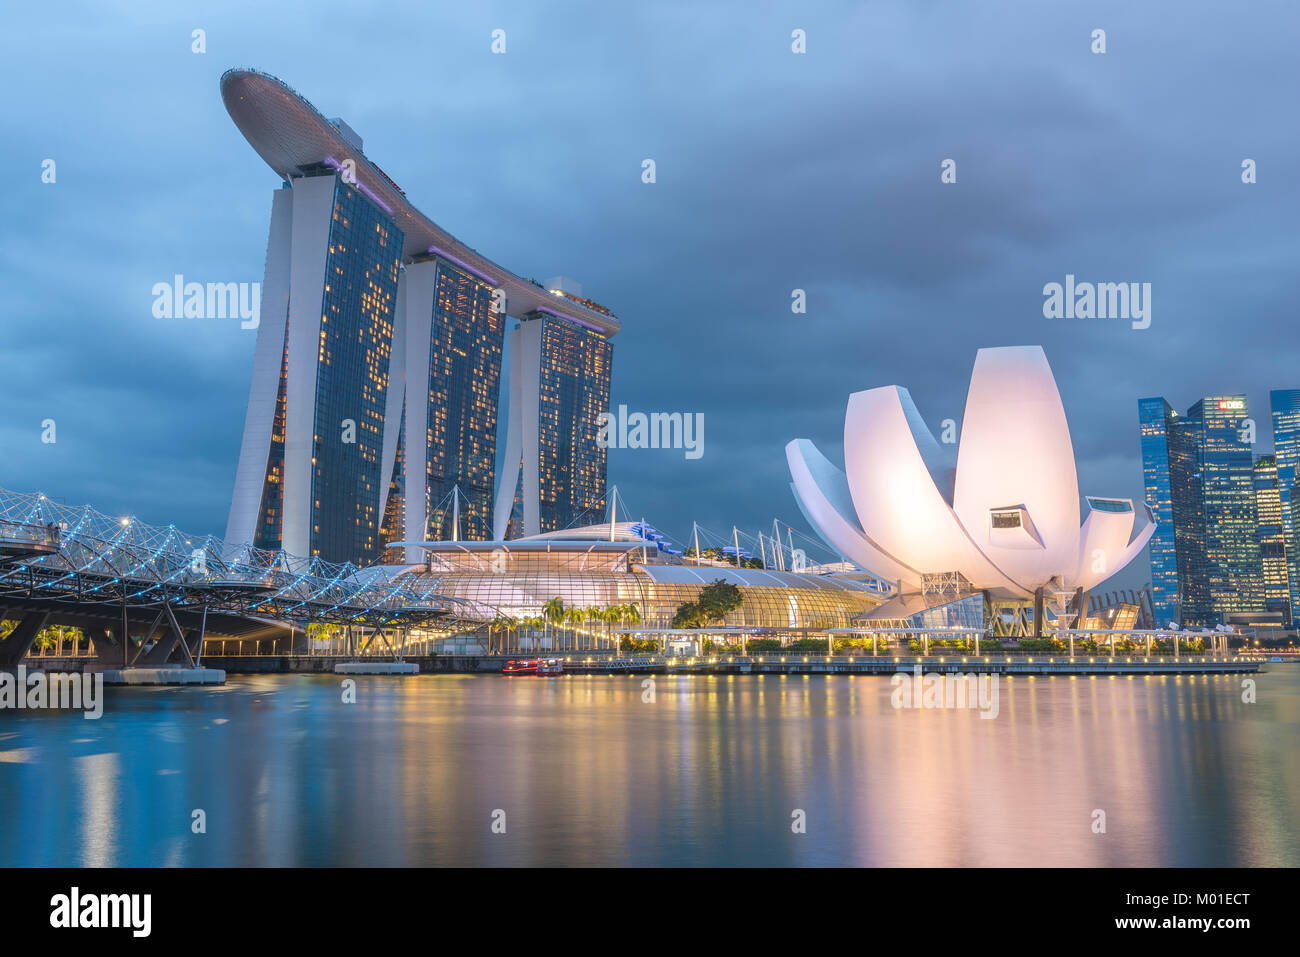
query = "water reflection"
x=587 y=772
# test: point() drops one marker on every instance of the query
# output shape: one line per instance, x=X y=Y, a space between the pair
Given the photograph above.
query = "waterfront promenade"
x=779 y=664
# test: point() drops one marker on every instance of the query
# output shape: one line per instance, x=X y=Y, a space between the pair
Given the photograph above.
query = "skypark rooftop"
x=292 y=136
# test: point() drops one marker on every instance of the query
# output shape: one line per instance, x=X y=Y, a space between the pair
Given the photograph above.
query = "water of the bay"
x=705 y=771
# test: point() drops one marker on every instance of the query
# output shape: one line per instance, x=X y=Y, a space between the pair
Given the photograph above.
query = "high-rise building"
x=310 y=483
x=1201 y=468
x=1285 y=405
x=444 y=464
x=372 y=414
x=553 y=474
x=1157 y=421
x=1274 y=579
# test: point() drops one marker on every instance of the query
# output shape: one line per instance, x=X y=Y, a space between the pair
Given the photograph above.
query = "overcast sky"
x=775 y=171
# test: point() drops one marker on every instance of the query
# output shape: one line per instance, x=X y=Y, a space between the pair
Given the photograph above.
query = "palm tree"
x=592 y=613
x=614 y=615
x=533 y=623
x=499 y=623
x=574 y=616
x=602 y=615
x=553 y=610
x=633 y=614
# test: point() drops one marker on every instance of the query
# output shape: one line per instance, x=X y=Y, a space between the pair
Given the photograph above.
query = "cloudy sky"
x=775 y=171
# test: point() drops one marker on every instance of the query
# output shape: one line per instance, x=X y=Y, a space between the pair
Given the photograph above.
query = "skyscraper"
x=1274 y=577
x=450 y=345
x=309 y=469
x=553 y=474
x=1201 y=468
x=372 y=414
x=1157 y=421
x=1285 y=405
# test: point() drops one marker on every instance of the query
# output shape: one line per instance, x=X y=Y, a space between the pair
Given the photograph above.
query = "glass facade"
x=1156 y=420
x=267 y=533
x=1286 y=446
x=464 y=389
x=1232 y=558
x=573 y=386
x=1275 y=592
x=964 y=612
x=1199 y=475
x=356 y=333
x=518 y=580
x=394 y=527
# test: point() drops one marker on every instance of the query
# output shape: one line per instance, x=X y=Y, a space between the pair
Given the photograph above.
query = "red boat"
x=534 y=666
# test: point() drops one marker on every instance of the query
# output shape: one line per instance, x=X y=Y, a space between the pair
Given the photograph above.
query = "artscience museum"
x=991 y=530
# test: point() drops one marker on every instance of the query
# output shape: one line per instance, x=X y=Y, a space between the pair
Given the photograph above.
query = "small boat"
x=520 y=667
x=550 y=666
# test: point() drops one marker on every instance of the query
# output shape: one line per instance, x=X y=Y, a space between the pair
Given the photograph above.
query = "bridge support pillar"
x=19 y=641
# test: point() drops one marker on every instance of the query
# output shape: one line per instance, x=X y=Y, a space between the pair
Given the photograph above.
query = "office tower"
x=1231 y=545
x=1274 y=580
x=1206 y=465
x=1285 y=405
x=553 y=474
x=1157 y=421
x=372 y=414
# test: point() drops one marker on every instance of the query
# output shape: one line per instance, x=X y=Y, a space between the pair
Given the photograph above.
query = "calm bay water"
x=707 y=774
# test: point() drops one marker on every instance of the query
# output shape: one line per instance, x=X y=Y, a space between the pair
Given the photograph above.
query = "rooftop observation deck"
x=292 y=136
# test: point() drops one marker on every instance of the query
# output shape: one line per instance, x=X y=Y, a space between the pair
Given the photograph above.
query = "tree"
x=716 y=600
x=633 y=614
x=596 y=613
x=575 y=616
x=625 y=613
x=689 y=614
x=719 y=599
x=500 y=623
x=534 y=623
x=553 y=611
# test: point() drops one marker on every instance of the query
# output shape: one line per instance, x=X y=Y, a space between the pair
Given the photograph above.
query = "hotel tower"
x=372 y=414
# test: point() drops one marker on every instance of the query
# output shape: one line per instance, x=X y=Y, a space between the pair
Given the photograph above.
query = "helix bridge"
x=166 y=590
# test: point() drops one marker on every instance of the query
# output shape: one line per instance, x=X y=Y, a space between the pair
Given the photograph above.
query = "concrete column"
x=15 y=647
x=313 y=208
x=268 y=355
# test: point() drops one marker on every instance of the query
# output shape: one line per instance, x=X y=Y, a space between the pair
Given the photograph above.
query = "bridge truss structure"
x=78 y=565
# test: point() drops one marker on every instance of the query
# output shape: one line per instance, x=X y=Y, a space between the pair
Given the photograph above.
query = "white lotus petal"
x=898 y=505
x=1015 y=453
x=822 y=492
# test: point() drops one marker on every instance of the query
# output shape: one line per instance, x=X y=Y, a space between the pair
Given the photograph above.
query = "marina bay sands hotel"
x=372 y=415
